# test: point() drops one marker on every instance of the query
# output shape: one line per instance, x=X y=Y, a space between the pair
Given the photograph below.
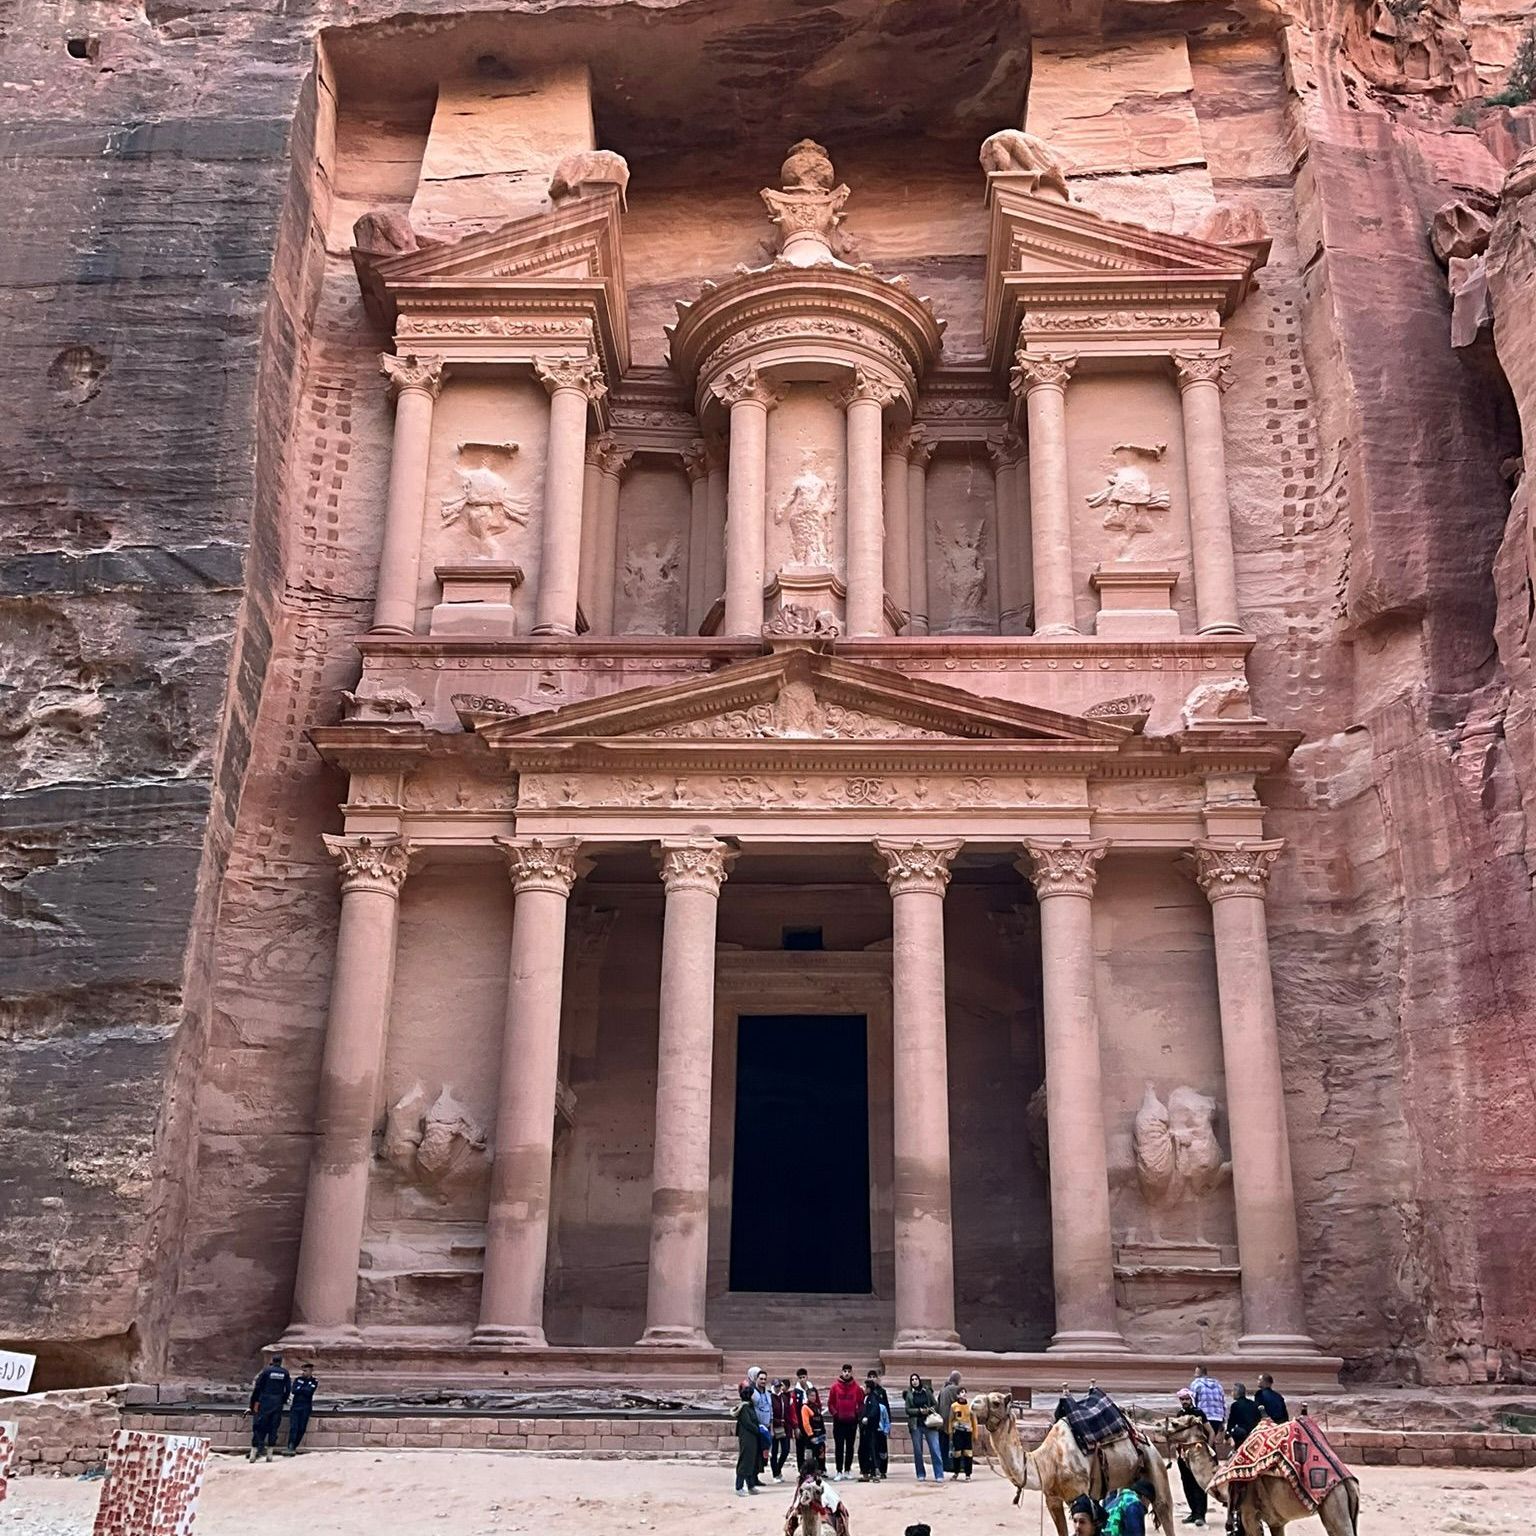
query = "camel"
x=1059 y=1471
x=814 y=1512
x=1267 y=1501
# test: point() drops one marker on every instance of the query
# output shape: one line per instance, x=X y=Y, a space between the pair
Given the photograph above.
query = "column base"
x=1051 y=631
x=317 y=1336
x=1221 y=628
x=668 y=1337
x=391 y=629
x=566 y=630
x=509 y=1336
x=1276 y=1344
x=926 y=1339
x=1086 y=1341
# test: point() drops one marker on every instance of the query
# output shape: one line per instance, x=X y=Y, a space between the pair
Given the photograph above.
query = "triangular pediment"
x=799 y=695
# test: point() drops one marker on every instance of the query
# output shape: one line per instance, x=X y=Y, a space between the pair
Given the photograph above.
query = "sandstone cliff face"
x=192 y=473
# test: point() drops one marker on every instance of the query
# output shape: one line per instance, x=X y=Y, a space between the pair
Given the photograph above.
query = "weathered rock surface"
x=190 y=487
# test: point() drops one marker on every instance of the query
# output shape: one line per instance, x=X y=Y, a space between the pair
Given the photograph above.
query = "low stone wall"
x=64 y=1432
x=1427 y=1448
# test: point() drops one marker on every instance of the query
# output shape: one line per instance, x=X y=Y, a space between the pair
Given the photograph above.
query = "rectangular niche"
x=962 y=542
x=651 y=569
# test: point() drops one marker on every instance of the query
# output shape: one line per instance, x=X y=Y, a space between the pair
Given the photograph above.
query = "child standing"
x=962 y=1434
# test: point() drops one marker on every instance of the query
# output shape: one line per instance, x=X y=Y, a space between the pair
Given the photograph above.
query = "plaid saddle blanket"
x=1296 y=1451
x=1094 y=1420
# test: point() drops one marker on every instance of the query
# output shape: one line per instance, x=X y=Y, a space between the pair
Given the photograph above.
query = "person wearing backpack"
x=921 y=1406
x=1125 y=1510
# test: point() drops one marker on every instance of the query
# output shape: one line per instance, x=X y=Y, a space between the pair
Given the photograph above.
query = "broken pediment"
x=1054 y=267
x=800 y=695
x=565 y=263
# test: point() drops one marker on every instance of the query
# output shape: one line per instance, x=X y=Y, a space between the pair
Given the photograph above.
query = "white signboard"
x=15 y=1371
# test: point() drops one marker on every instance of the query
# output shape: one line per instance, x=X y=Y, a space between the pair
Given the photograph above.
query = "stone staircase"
x=781 y=1332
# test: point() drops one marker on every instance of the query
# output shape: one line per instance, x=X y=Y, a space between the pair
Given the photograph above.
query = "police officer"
x=304 y=1385
x=268 y=1395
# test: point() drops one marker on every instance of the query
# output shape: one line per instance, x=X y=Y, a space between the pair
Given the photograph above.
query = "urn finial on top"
x=808 y=208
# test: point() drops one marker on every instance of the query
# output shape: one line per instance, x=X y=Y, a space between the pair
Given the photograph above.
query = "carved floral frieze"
x=509 y=326
x=1121 y=320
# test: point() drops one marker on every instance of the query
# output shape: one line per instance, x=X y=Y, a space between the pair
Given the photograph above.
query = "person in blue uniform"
x=301 y=1405
x=269 y=1394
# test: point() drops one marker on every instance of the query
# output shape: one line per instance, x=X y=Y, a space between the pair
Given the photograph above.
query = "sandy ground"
x=479 y=1493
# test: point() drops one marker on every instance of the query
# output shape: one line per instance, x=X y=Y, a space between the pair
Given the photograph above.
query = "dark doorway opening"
x=802 y=1146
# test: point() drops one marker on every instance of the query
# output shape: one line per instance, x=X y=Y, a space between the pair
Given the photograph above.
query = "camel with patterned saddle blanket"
x=1060 y=1469
x=815 y=1510
x=1280 y=1473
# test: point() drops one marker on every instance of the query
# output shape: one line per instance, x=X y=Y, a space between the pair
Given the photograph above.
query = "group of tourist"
x=778 y=1416
x=1233 y=1422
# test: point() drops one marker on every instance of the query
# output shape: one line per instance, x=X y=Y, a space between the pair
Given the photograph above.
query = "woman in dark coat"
x=749 y=1441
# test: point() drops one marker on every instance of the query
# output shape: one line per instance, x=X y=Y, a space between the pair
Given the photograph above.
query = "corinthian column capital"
x=535 y=865
x=746 y=384
x=865 y=386
x=1066 y=868
x=1203 y=368
x=695 y=863
x=1041 y=370
x=1235 y=869
x=1006 y=449
x=408 y=371
x=921 y=866
x=920 y=447
x=370 y=863
x=579 y=373
x=695 y=459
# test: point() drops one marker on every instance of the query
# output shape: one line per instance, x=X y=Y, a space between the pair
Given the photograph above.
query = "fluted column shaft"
x=919 y=452
x=615 y=462
x=362 y=983
x=572 y=384
x=1202 y=377
x=1082 y=1256
x=897 y=553
x=696 y=464
x=1043 y=382
x=749 y=398
x=517 y=1222
x=917 y=874
x=714 y=541
x=692 y=870
x=1234 y=876
x=864 y=403
x=591 y=515
x=415 y=383
x=1013 y=584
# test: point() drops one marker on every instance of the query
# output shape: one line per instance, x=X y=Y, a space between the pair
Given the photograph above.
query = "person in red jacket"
x=845 y=1399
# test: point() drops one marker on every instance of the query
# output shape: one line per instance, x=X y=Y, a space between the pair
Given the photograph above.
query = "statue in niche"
x=485 y=505
x=1128 y=497
x=650 y=582
x=963 y=568
x=437 y=1145
x=1011 y=151
x=808 y=509
x=1178 y=1158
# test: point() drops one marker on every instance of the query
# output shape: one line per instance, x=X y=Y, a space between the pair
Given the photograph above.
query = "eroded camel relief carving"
x=809 y=508
x=485 y=505
x=963 y=570
x=435 y=1144
x=650 y=582
x=1012 y=151
x=1129 y=498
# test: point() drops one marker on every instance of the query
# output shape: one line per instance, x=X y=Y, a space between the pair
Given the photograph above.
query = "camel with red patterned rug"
x=1059 y=1469
x=1281 y=1473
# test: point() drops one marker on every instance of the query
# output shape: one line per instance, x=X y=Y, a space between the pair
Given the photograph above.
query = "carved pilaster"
x=579 y=373
x=920 y=866
x=695 y=864
x=1066 y=868
x=1235 y=869
x=1204 y=368
x=370 y=863
x=1041 y=370
x=740 y=385
x=535 y=865
x=408 y=371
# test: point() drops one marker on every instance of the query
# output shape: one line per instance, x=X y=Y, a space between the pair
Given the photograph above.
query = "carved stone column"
x=865 y=401
x=1234 y=877
x=597 y=451
x=919 y=451
x=696 y=464
x=415 y=383
x=362 y=983
x=749 y=397
x=615 y=462
x=517 y=1222
x=917 y=874
x=692 y=870
x=573 y=383
x=1015 y=589
x=714 y=543
x=1082 y=1257
x=1202 y=377
x=897 y=553
x=1043 y=382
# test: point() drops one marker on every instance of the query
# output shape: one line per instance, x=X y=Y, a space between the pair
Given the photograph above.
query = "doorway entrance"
x=802 y=1144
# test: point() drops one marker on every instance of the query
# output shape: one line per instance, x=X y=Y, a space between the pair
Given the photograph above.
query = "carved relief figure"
x=589 y=167
x=1226 y=700
x=374 y=703
x=484 y=504
x=1013 y=151
x=650 y=582
x=437 y=1145
x=809 y=509
x=963 y=568
x=1129 y=498
x=1178 y=1158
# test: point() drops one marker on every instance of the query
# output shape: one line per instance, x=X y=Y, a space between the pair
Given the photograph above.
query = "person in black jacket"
x=1242 y=1416
x=299 y=1409
x=1270 y=1400
x=268 y=1396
